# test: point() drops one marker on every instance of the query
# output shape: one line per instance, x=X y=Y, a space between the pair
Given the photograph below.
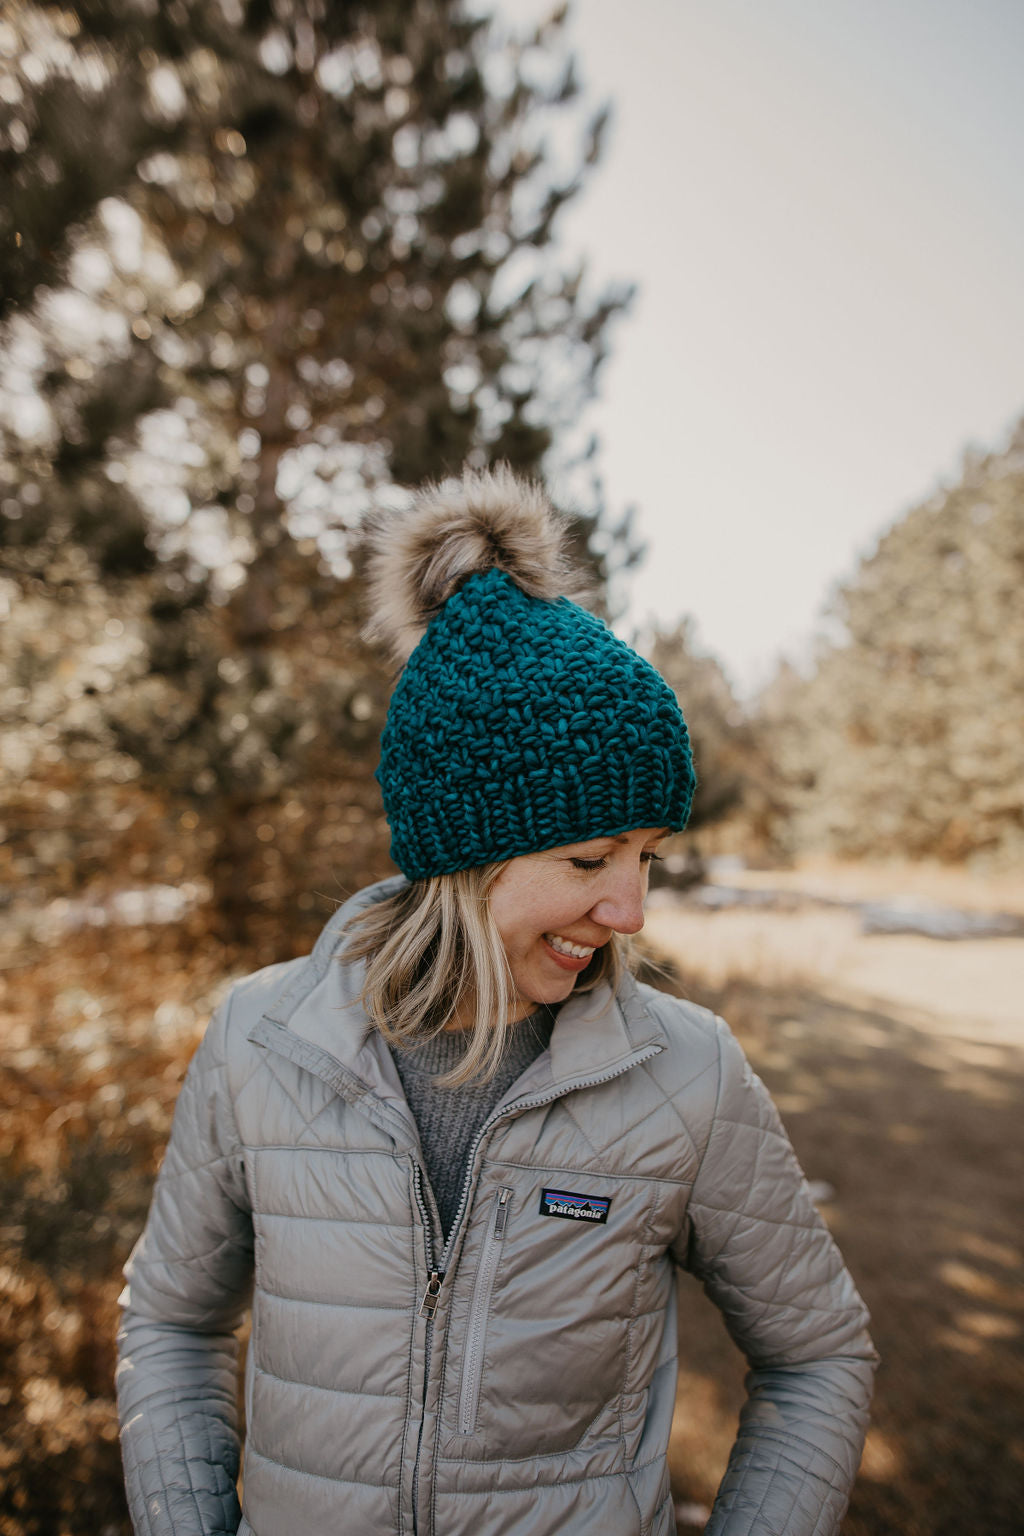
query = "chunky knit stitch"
x=521 y=724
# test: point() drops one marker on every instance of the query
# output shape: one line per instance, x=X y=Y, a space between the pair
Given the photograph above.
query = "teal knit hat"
x=520 y=722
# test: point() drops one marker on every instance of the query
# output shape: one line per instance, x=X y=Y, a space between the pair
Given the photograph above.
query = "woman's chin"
x=550 y=990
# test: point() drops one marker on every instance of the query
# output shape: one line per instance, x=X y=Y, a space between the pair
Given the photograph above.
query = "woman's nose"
x=620 y=905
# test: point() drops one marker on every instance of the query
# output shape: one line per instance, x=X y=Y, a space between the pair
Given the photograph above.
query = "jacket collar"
x=320 y=1023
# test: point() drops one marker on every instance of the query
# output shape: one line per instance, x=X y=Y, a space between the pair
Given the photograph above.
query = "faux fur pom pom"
x=485 y=519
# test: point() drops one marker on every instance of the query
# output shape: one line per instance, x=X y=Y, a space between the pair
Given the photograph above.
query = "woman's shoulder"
x=703 y=1068
x=700 y=1065
x=274 y=989
x=249 y=997
x=225 y=1045
x=684 y=1028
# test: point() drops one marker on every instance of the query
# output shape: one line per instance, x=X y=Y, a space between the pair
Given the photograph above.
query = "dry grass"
x=768 y=949
x=948 y=885
x=971 y=986
x=96 y=1034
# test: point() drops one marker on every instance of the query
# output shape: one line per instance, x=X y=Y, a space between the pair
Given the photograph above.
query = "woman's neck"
x=465 y=1015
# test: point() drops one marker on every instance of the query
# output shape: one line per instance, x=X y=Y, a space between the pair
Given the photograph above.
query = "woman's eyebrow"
x=623 y=837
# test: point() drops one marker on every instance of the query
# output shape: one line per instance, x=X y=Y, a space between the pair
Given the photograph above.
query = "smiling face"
x=553 y=909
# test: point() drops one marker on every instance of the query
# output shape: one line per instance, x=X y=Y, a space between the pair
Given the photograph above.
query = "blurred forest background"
x=262 y=265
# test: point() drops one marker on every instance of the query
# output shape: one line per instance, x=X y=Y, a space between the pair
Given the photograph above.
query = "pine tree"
x=319 y=264
x=908 y=738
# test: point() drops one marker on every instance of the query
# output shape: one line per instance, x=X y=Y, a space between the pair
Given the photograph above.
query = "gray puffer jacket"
x=522 y=1381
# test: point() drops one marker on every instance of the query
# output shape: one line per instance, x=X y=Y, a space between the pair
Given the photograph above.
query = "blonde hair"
x=433 y=947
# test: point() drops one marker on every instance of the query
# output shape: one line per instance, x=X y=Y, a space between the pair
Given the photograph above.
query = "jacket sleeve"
x=766 y=1259
x=188 y=1284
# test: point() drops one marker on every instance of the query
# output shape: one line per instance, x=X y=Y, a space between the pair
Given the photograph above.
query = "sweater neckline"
x=440 y=1053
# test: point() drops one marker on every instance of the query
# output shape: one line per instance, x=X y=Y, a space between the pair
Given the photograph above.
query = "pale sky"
x=823 y=205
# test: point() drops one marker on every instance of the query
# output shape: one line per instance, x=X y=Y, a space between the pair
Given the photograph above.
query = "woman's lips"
x=568 y=962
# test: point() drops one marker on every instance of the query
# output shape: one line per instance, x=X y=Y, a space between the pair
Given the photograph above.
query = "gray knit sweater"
x=449 y=1118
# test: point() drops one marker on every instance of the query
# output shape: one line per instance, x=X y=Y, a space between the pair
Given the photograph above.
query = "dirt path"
x=898 y=1065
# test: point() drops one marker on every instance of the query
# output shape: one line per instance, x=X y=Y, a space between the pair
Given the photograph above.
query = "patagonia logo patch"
x=559 y=1202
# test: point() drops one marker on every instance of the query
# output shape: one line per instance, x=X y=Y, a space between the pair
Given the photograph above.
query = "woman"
x=456 y=1154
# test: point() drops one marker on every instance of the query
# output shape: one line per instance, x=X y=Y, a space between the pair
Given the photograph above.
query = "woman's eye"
x=590 y=864
x=649 y=858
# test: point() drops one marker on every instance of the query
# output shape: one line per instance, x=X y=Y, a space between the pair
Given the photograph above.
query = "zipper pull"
x=501 y=1214
x=428 y=1306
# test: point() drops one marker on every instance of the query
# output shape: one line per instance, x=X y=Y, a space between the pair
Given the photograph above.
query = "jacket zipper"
x=487 y=1269
x=428 y=1306
x=437 y=1272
